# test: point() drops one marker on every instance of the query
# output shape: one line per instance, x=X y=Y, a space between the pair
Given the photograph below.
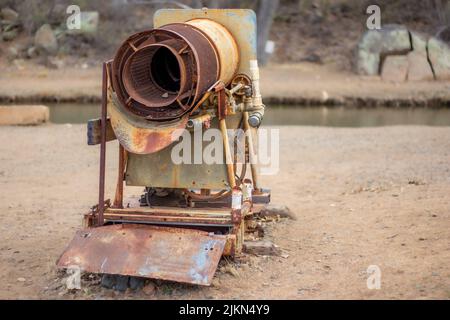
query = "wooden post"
x=101 y=195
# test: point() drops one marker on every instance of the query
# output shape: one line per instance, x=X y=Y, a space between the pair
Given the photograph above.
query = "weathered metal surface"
x=94 y=127
x=176 y=254
x=140 y=136
x=241 y=23
x=221 y=217
x=158 y=169
x=226 y=47
x=161 y=73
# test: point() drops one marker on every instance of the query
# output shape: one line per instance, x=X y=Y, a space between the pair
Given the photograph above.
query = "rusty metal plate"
x=175 y=254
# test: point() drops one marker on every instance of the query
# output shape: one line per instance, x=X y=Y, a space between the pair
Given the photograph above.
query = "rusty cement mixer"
x=197 y=70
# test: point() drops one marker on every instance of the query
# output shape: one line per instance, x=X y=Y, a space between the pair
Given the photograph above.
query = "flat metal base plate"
x=175 y=254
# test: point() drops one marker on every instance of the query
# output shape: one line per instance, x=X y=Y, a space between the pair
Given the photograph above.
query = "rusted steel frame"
x=162 y=215
x=163 y=219
x=101 y=195
x=251 y=151
x=173 y=211
x=118 y=199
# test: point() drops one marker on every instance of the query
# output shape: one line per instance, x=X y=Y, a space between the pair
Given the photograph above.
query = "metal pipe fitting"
x=256 y=116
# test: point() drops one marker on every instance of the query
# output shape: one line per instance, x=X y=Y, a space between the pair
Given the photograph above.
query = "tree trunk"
x=265 y=15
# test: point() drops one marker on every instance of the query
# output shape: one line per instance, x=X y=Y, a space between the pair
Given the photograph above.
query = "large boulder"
x=439 y=55
x=45 y=40
x=395 y=68
x=419 y=66
x=24 y=115
x=376 y=44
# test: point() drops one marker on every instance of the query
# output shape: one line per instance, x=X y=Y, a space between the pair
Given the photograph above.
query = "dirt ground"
x=361 y=196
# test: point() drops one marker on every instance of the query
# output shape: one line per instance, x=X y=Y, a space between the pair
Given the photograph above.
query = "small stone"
x=10 y=35
x=9 y=15
x=45 y=40
x=121 y=283
x=149 y=289
x=107 y=281
x=21 y=279
x=136 y=283
x=165 y=95
x=395 y=68
x=32 y=52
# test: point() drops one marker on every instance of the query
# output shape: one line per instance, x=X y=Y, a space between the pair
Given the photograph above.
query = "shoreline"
x=303 y=84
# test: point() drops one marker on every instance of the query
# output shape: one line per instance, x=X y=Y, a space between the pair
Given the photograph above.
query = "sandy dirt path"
x=366 y=196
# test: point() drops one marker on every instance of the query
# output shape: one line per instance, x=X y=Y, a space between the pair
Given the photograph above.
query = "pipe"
x=251 y=151
x=227 y=151
x=161 y=74
x=255 y=117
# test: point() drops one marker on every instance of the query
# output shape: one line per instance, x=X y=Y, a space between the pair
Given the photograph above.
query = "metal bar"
x=228 y=157
x=220 y=212
x=101 y=195
x=251 y=151
x=118 y=199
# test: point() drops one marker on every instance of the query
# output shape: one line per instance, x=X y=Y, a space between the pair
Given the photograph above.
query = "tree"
x=265 y=14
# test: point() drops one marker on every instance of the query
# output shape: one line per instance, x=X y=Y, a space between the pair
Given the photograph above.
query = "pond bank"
x=300 y=84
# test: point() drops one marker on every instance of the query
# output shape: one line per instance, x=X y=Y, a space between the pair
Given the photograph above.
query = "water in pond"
x=296 y=116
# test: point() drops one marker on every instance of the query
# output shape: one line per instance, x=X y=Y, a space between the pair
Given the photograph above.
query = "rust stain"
x=176 y=254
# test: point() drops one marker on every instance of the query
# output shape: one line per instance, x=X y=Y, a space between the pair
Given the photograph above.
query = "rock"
x=444 y=34
x=261 y=248
x=21 y=279
x=376 y=44
x=108 y=281
x=32 y=52
x=419 y=42
x=136 y=283
x=24 y=115
x=419 y=69
x=12 y=53
x=45 y=40
x=10 y=35
x=9 y=15
x=395 y=68
x=149 y=289
x=121 y=283
x=439 y=55
x=272 y=210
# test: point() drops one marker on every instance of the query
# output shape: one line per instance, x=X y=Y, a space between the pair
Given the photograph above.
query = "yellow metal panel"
x=241 y=23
